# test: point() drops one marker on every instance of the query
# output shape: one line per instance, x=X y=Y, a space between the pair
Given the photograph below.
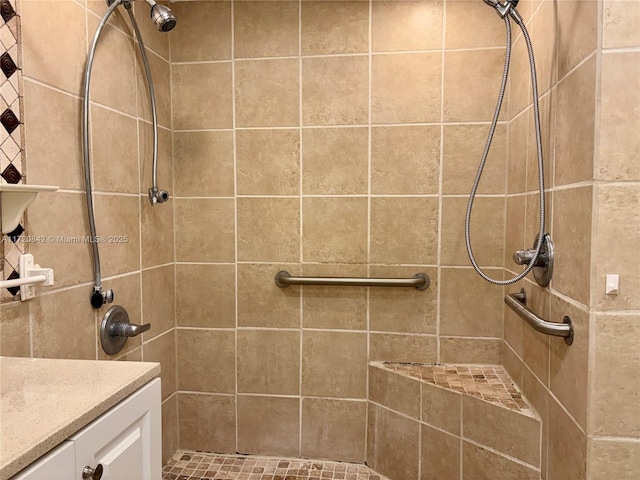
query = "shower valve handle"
x=523 y=257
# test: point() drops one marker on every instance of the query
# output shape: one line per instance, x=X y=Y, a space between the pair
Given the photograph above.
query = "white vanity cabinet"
x=125 y=441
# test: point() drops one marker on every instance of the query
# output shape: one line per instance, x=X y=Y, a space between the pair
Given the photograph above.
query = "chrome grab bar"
x=419 y=281
x=518 y=303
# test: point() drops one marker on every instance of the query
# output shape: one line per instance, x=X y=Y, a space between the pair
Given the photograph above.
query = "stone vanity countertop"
x=45 y=401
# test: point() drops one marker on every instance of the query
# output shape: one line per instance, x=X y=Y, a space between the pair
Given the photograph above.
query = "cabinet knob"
x=92 y=473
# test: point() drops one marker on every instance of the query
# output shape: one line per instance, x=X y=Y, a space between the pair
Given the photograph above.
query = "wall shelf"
x=14 y=199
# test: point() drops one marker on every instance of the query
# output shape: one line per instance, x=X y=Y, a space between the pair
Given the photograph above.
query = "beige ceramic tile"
x=619 y=116
x=114 y=151
x=615 y=385
x=574 y=141
x=64 y=251
x=544 y=31
x=567 y=446
x=165 y=157
x=335 y=307
x=384 y=388
x=397 y=440
x=334 y=230
x=620 y=24
x=487 y=243
x=335 y=90
x=547 y=105
x=617 y=240
x=405 y=160
x=572 y=242
x=506 y=431
x=335 y=161
x=396 y=96
x=54 y=155
x=479 y=100
x=470 y=350
x=269 y=425
x=203 y=164
x=440 y=455
x=403 y=309
x=268 y=162
x=268 y=362
x=158 y=304
x=462 y=151
x=201 y=224
x=372 y=413
x=324 y=354
x=203 y=31
x=202 y=96
x=157 y=233
x=482 y=464
x=268 y=229
x=333 y=429
x=153 y=39
x=169 y=428
x=118 y=227
x=402 y=347
x=265 y=29
x=161 y=75
x=441 y=408
x=207 y=422
x=14 y=324
x=613 y=459
x=71 y=338
x=414 y=223
x=536 y=345
x=205 y=296
x=472 y=311
x=514 y=230
x=200 y=354
x=519 y=93
x=267 y=93
x=472 y=25
x=577 y=24
x=261 y=303
x=49 y=54
x=162 y=349
x=518 y=151
x=405 y=25
x=334 y=27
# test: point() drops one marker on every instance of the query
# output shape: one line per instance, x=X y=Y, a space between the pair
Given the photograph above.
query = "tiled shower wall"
x=587 y=59
x=60 y=322
x=335 y=139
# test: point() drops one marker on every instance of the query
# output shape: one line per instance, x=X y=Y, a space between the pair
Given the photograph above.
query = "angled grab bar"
x=419 y=281
x=518 y=303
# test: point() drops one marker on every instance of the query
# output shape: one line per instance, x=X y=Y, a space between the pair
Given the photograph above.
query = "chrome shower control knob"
x=92 y=473
x=523 y=257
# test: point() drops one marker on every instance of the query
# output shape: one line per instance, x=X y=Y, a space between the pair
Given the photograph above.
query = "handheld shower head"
x=162 y=16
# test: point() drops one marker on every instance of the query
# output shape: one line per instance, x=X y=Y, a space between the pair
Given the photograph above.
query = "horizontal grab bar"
x=518 y=303
x=420 y=281
x=18 y=282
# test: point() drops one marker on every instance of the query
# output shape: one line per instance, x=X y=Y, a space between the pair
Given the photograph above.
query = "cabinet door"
x=126 y=440
x=59 y=464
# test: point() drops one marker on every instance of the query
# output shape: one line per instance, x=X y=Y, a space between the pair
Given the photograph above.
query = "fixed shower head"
x=162 y=16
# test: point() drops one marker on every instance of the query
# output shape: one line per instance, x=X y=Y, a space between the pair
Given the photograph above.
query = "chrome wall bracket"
x=116 y=328
x=543 y=269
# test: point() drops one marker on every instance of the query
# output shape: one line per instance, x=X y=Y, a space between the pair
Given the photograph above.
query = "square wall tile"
x=267 y=93
x=205 y=295
x=169 y=428
x=158 y=305
x=441 y=408
x=268 y=425
x=335 y=90
x=472 y=24
x=405 y=160
x=268 y=229
x=333 y=429
x=484 y=464
x=161 y=74
x=335 y=161
x=577 y=24
x=567 y=446
x=620 y=24
x=334 y=27
x=204 y=31
x=14 y=323
x=324 y=354
x=614 y=459
x=203 y=164
x=392 y=347
x=396 y=96
x=440 y=455
x=162 y=349
x=406 y=25
x=206 y=360
x=268 y=162
x=470 y=350
x=156 y=233
x=202 y=96
x=145 y=155
x=207 y=423
x=396 y=450
x=269 y=362
x=384 y=386
x=414 y=226
x=265 y=29
x=334 y=230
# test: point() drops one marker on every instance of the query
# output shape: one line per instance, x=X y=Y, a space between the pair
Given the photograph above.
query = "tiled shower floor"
x=189 y=465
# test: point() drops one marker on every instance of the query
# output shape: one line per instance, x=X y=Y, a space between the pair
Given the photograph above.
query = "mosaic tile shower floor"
x=189 y=465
